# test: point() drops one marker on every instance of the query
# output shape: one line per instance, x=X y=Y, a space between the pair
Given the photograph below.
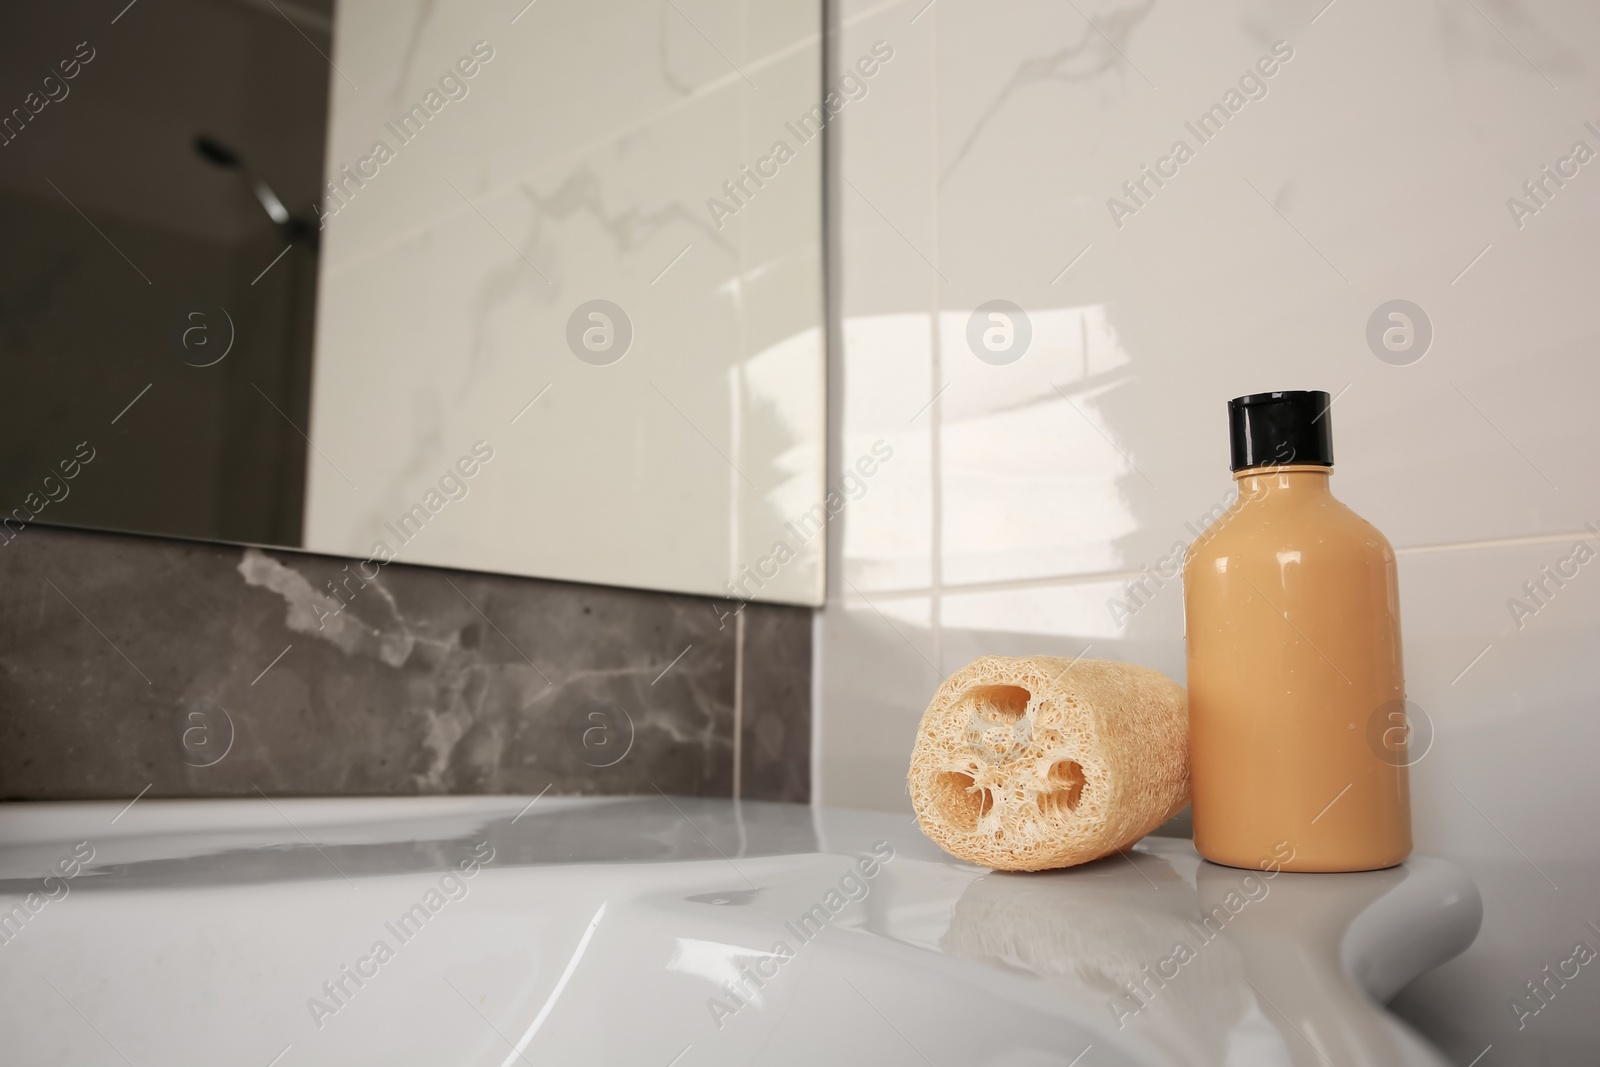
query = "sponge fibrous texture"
x=1025 y=764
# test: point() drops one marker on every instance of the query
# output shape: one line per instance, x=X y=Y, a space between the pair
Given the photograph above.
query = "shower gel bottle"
x=1297 y=729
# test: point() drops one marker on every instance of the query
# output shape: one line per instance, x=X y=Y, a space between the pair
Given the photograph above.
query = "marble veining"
x=1087 y=59
x=578 y=168
x=134 y=665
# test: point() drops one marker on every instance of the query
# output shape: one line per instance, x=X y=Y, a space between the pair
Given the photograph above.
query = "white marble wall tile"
x=887 y=359
x=582 y=173
x=563 y=79
x=886 y=536
x=877 y=668
x=1507 y=787
x=1394 y=182
x=773 y=27
x=780 y=381
x=466 y=332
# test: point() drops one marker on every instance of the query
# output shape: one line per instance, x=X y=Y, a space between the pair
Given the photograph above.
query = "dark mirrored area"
x=158 y=270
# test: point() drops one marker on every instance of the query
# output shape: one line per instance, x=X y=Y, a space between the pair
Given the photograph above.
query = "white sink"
x=657 y=931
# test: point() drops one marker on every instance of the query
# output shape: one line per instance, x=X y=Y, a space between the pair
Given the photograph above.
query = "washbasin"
x=673 y=931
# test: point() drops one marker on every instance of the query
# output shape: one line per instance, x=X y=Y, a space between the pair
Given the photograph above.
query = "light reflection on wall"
x=782 y=398
x=1029 y=485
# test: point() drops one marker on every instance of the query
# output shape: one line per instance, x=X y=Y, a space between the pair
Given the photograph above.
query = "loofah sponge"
x=1039 y=762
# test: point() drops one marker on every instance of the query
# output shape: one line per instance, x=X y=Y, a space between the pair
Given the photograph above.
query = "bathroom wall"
x=1384 y=158
x=578 y=163
x=138 y=666
x=130 y=260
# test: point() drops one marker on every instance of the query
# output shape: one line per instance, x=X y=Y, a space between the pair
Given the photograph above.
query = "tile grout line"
x=1088 y=577
x=740 y=399
x=1520 y=541
x=738 y=704
x=936 y=371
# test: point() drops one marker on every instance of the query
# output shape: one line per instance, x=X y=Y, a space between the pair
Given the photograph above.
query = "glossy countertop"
x=671 y=930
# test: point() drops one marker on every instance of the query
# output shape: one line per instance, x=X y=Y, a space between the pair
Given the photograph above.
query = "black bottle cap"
x=1277 y=429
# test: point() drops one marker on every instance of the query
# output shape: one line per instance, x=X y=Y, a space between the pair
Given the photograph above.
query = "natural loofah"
x=1039 y=762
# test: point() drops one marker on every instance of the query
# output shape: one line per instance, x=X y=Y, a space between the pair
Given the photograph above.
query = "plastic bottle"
x=1297 y=733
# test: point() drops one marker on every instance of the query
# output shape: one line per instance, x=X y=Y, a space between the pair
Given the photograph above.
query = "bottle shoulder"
x=1321 y=526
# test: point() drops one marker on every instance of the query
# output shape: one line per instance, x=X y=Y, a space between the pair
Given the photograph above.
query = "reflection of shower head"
x=218 y=154
x=215 y=152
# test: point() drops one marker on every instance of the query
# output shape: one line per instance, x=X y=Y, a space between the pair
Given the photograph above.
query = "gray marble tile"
x=775 y=704
x=202 y=669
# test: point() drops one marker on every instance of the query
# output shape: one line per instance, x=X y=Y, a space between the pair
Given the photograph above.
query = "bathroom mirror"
x=531 y=288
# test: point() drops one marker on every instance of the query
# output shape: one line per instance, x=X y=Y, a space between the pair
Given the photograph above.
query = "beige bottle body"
x=1296 y=683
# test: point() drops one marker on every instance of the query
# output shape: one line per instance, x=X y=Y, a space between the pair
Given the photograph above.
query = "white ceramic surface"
x=611 y=932
x=1378 y=166
x=576 y=163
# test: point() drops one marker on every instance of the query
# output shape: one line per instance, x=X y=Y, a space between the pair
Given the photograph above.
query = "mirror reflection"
x=533 y=290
